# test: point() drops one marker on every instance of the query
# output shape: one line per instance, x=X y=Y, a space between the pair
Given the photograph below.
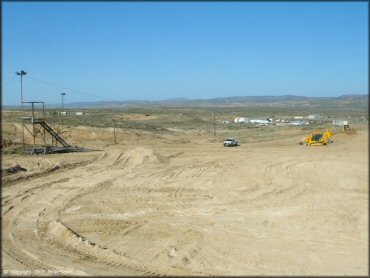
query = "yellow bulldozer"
x=318 y=138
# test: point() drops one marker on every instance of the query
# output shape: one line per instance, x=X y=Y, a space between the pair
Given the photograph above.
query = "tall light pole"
x=21 y=73
x=61 y=112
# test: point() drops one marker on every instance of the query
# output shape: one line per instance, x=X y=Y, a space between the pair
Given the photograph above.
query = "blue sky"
x=158 y=50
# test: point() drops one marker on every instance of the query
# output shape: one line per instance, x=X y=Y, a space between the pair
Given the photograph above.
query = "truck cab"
x=230 y=142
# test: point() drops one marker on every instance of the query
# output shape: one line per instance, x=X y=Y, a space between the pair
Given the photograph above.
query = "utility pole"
x=21 y=73
x=214 y=123
x=61 y=112
x=114 y=131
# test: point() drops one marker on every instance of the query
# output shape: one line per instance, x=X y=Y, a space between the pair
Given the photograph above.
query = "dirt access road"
x=190 y=209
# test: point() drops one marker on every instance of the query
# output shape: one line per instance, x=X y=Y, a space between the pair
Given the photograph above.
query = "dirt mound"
x=137 y=156
x=133 y=157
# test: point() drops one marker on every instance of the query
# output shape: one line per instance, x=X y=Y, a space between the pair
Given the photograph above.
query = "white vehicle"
x=230 y=142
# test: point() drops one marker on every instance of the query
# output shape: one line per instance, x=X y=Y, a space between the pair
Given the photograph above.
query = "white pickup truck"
x=230 y=142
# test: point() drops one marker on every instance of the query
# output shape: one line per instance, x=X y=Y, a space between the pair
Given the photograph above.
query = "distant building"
x=241 y=120
x=80 y=113
x=313 y=117
x=254 y=121
x=298 y=123
x=261 y=122
x=339 y=122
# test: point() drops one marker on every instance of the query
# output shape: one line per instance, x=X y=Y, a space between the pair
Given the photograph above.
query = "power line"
x=69 y=89
x=7 y=82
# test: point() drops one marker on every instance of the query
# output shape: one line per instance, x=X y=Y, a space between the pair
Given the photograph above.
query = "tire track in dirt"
x=143 y=192
x=204 y=213
x=12 y=249
x=48 y=213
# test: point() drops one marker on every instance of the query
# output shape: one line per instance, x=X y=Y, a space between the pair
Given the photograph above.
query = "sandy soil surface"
x=158 y=207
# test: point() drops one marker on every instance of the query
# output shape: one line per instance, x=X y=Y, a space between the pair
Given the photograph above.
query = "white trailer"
x=339 y=122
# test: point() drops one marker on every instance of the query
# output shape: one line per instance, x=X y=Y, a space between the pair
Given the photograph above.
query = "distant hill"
x=359 y=102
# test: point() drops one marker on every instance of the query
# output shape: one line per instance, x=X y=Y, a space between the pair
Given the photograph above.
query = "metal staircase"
x=51 y=131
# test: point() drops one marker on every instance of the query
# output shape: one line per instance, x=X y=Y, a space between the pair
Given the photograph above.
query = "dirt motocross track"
x=155 y=208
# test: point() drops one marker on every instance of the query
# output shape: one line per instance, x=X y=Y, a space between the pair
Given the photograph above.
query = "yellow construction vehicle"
x=318 y=138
